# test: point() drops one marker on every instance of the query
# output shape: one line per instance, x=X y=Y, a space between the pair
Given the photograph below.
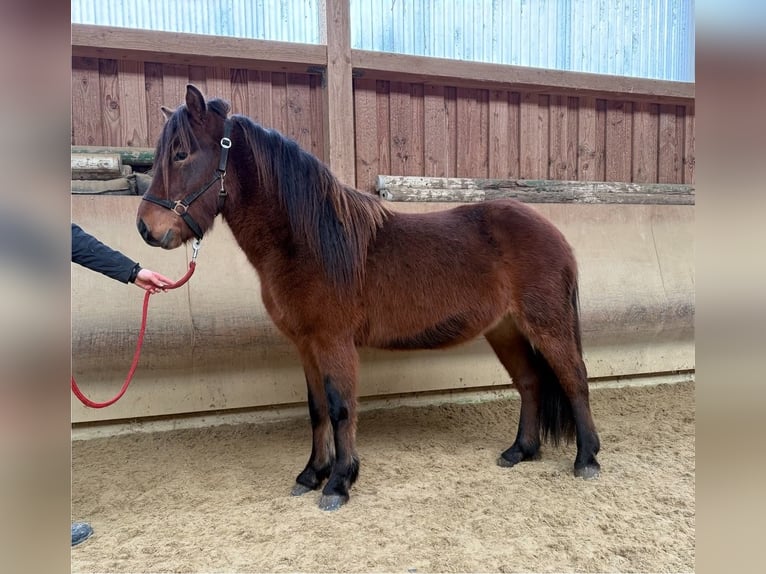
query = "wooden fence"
x=368 y=113
x=445 y=131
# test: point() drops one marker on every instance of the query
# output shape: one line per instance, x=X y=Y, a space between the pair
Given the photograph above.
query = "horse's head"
x=187 y=190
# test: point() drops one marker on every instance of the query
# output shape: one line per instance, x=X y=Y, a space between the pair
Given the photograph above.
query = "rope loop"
x=100 y=405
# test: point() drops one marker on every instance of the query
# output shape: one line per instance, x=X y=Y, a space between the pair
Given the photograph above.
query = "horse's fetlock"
x=313 y=476
x=309 y=478
x=337 y=485
x=519 y=452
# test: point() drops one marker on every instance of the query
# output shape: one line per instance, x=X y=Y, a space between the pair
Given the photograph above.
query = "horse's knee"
x=337 y=404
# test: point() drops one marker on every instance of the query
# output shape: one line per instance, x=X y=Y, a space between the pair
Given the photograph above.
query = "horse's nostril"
x=145 y=233
x=142 y=229
x=167 y=240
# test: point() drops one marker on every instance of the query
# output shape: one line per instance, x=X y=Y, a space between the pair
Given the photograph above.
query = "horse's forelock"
x=176 y=135
x=178 y=132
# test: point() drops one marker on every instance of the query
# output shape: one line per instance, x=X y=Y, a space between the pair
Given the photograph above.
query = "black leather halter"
x=181 y=206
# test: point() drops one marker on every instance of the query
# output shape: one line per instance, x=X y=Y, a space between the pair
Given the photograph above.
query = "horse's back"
x=474 y=237
x=444 y=277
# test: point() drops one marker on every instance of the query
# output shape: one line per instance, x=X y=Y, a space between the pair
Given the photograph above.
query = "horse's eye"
x=180 y=156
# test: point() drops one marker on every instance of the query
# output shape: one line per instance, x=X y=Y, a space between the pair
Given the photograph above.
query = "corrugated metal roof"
x=284 y=20
x=643 y=38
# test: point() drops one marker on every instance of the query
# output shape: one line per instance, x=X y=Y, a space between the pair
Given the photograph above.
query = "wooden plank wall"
x=405 y=128
x=442 y=131
x=117 y=102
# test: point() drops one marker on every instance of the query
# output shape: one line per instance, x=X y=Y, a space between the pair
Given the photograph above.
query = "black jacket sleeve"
x=91 y=253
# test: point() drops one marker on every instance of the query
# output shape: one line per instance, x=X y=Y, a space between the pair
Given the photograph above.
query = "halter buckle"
x=183 y=207
x=225 y=142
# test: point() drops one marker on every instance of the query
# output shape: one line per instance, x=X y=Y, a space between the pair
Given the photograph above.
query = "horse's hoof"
x=512 y=458
x=300 y=489
x=588 y=471
x=516 y=454
x=505 y=462
x=332 y=501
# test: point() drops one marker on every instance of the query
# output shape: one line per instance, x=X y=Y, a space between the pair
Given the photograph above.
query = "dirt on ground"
x=429 y=498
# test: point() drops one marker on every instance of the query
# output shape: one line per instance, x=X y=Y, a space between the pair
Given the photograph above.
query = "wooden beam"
x=462 y=73
x=339 y=96
x=200 y=49
x=195 y=49
x=402 y=188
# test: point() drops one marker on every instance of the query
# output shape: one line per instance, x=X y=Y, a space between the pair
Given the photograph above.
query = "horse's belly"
x=443 y=332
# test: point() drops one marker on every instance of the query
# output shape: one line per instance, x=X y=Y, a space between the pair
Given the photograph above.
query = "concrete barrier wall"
x=210 y=344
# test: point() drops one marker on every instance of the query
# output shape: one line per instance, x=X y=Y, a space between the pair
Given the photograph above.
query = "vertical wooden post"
x=338 y=90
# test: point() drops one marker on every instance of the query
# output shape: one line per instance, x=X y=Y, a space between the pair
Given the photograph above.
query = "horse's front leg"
x=322 y=456
x=337 y=363
x=332 y=370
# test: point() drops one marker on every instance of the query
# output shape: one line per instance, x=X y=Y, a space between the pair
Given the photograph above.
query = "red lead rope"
x=89 y=403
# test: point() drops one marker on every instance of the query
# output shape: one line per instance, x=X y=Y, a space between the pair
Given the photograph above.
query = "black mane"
x=336 y=222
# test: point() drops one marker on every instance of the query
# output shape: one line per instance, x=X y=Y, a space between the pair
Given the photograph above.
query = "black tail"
x=556 y=416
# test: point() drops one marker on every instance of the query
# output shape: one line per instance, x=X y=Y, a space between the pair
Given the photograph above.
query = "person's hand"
x=152 y=281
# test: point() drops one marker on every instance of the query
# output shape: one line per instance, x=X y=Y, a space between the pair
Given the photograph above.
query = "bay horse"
x=340 y=270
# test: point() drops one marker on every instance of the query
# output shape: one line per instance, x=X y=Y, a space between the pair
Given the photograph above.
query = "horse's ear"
x=166 y=112
x=195 y=102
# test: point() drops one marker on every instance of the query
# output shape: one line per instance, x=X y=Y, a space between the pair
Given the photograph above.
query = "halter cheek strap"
x=181 y=206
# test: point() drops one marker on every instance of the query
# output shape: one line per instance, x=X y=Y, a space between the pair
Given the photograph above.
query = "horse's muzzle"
x=166 y=242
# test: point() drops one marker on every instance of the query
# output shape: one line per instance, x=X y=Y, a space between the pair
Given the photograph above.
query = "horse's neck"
x=257 y=222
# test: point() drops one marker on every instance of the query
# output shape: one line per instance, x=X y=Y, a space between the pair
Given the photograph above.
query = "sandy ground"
x=429 y=498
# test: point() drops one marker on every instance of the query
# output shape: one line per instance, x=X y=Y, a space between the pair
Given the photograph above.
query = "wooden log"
x=402 y=188
x=96 y=166
x=135 y=156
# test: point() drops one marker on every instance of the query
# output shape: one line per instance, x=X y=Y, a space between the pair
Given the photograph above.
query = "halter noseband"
x=181 y=206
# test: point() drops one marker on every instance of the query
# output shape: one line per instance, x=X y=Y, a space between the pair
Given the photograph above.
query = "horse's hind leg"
x=570 y=370
x=517 y=356
x=557 y=340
